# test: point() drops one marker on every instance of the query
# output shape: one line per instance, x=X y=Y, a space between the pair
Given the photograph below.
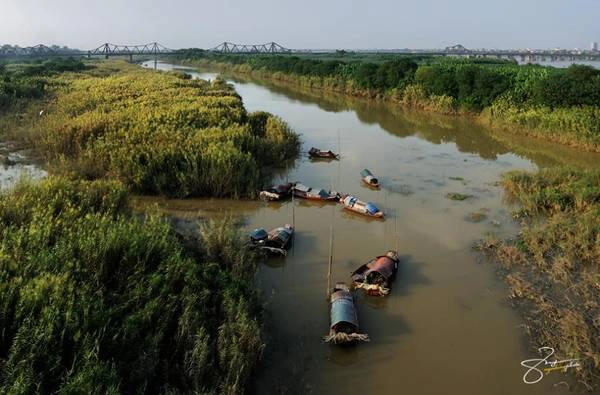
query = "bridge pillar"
x=131 y=57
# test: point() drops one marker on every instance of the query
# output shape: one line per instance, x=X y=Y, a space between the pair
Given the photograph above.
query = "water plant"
x=552 y=266
x=160 y=133
x=94 y=299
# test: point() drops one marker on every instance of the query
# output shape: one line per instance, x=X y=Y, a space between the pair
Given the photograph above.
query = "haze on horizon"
x=303 y=24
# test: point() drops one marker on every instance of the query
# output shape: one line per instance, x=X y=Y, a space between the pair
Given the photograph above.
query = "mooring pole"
x=293 y=212
x=396 y=228
x=330 y=262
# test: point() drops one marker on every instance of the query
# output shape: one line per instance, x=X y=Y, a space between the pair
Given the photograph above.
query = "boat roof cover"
x=382 y=265
x=350 y=199
x=283 y=188
x=282 y=234
x=342 y=309
x=365 y=173
x=371 y=208
x=258 y=234
x=323 y=193
x=302 y=188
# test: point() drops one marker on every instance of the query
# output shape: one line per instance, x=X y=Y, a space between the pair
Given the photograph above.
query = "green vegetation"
x=95 y=300
x=26 y=81
x=553 y=266
x=458 y=196
x=557 y=104
x=159 y=133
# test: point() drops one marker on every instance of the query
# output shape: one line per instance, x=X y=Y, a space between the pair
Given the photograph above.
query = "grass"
x=159 y=133
x=94 y=299
x=553 y=266
x=500 y=95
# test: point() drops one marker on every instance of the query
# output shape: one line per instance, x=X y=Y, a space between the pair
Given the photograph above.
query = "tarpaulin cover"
x=371 y=208
x=258 y=234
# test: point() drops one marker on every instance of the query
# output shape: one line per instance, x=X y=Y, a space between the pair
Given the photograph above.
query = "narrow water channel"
x=446 y=327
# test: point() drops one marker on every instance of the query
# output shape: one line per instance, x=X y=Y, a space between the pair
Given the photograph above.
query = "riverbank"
x=97 y=297
x=516 y=100
x=553 y=265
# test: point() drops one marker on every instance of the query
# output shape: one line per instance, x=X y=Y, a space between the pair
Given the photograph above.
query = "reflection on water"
x=446 y=327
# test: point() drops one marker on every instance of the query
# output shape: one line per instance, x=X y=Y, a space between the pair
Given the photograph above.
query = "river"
x=447 y=327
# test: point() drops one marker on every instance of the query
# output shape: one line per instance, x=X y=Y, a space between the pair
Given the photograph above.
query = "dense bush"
x=26 y=81
x=94 y=300
x=561 y=104
x=576 y=86
x=163 y=134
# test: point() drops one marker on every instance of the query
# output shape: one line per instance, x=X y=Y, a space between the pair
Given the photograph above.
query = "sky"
x=302 y=24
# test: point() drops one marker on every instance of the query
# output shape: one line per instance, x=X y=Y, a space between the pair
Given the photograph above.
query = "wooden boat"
x=316 y=153
x=354 y=204
x=277 y=192
x=369 y=179
x=343 y=326
x=304 y=192
x=276 y=241
x=376 y=276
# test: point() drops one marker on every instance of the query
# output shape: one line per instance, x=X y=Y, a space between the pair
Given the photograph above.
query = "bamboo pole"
x=293 y=223
x=396 y=228
x=330 y=261
x=293 y=212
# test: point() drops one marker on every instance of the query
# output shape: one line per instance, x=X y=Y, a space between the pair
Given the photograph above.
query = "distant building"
x=594 y=46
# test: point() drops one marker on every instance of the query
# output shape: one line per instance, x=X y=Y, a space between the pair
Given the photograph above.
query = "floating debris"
x=458 y=196
x=476 y=217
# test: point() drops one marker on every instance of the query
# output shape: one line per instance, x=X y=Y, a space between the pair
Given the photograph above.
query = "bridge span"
x=156 y=49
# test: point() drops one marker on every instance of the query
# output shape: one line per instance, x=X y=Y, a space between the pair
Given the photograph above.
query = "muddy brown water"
x=446 y=327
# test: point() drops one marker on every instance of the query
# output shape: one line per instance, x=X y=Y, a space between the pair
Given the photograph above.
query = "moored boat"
x=343 y=326
x=277 y=192
x=369 y=179
x=316 y=153
x=377 y=275
x=276 y=241
x=304 y=192
x=352 y=203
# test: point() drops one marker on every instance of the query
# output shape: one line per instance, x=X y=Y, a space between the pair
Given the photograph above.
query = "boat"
x=352 y=203
x=369 y=179
x=304 y=192
x=277 y=192
x=343 y=326
x=276 y=241
x=376 y=276
x=316 y=153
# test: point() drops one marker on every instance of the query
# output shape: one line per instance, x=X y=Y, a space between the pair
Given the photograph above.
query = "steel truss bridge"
x=106 y=50
x=271 y=47
x=155 y=49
